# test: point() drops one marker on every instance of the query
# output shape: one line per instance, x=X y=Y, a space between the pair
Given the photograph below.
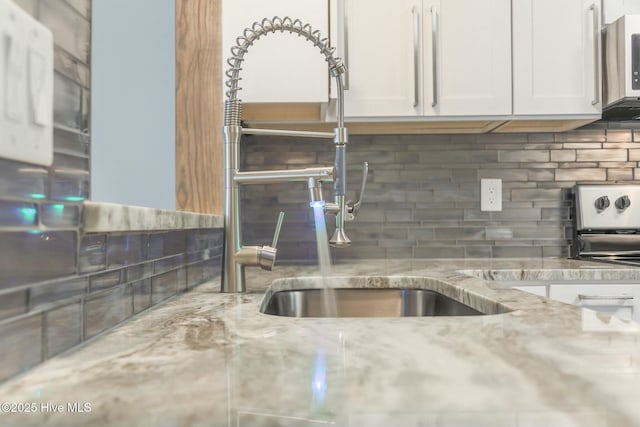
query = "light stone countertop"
x=211 y=359
x=100 y=217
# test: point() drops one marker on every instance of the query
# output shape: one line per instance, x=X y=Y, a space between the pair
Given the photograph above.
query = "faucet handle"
x=276 y=234
x=267 y=254
x=352 y=209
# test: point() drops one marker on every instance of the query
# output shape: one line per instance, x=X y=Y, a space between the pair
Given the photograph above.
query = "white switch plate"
x=491 y=195
x=26 y=87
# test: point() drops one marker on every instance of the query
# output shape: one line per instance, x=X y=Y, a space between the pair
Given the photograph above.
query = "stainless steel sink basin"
x=365 y=302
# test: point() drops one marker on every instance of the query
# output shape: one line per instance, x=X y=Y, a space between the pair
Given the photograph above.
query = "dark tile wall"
x=423 y=192
x=59 y=286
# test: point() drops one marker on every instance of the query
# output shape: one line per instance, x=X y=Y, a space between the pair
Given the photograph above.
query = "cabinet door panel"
x=617 y=300
x=555 y=57
x=467 y=60
x=381 y=57
x=280 y=67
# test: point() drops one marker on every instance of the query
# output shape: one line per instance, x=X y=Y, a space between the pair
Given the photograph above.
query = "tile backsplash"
x=423 y=193
x=59 y=285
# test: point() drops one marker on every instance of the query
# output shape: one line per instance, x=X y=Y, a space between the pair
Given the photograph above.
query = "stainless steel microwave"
x=621 y=85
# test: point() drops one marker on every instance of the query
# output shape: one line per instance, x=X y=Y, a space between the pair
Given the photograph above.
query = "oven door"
x=603 y=245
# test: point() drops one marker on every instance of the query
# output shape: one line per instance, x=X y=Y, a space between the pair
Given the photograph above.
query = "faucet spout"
x=236 y=255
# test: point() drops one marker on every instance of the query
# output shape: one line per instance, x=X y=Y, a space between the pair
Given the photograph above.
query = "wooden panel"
x=282 y=112
x=199 y=149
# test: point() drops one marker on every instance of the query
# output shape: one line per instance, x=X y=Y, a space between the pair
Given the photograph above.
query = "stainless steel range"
x=607 y=223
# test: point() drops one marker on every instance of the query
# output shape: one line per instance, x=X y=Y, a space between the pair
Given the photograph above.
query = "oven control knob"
x=623 y=202
x=602 y=203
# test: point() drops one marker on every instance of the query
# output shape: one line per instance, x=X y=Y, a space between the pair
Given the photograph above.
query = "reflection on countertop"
x=212 y=359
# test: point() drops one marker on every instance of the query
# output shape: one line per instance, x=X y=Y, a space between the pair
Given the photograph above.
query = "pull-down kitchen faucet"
x=237 y=256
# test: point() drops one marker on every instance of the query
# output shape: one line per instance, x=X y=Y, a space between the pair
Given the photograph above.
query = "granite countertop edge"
x=100 y=217
x=538 y=360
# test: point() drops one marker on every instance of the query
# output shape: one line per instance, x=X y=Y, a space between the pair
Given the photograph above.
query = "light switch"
x=26 y=87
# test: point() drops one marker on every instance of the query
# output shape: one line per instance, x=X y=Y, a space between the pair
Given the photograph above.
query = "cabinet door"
x=556 y=64
x=279 y=67
x=467 y=57
x=618 y=300
x=383 y=58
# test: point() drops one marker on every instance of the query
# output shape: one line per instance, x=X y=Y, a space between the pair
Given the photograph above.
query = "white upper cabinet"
x=556 y=57
x=427 y=57
x=382 y=56
x=279 y=67
x=467 y=57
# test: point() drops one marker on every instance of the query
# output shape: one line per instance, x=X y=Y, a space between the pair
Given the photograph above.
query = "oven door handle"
x=600 y=254
x=582 y=297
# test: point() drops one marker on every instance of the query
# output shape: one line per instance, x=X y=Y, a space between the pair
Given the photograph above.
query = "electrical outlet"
x=26 y=87
x=491 y=195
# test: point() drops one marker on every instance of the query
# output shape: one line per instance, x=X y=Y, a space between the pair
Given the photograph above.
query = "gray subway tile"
x=50 y=255
x=478 y=252
x=438 y=214
x=555 y=214
x=524 y=156
x=71 y=31
x=169 y=263
x=536 y=194
x=141 y=295
x=63 y=328
x=590 y=135
x=617 y=165
x=601 y=155
x=126 y=249
x=107 y=309
x=399 y=253
x=60 y=215
x=21 y=347
x=526 y=214
x=60 y=290
x=72 y=68
x=195 y=273
x=555 y=251
x=109 y=279
x=21 y=180
x=499 y=233
x=13 y=304
x=439 y=252
x=634 y=155
x=444 y=233
x=517 y=251
x=505 y=174
x=71 y=142
x=68 y=185
x=619 y=135
x=92 y=255
x=166 y=243
x=540 y=175
x=614 y=175
x=198 y=240
x=139 y=271
x=18 y=214
x=67 y=102
x=563 y=155
x=587 y=174
x=164 y=286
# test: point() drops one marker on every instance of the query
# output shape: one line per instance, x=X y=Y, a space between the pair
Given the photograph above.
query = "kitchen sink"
x=364 y=302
